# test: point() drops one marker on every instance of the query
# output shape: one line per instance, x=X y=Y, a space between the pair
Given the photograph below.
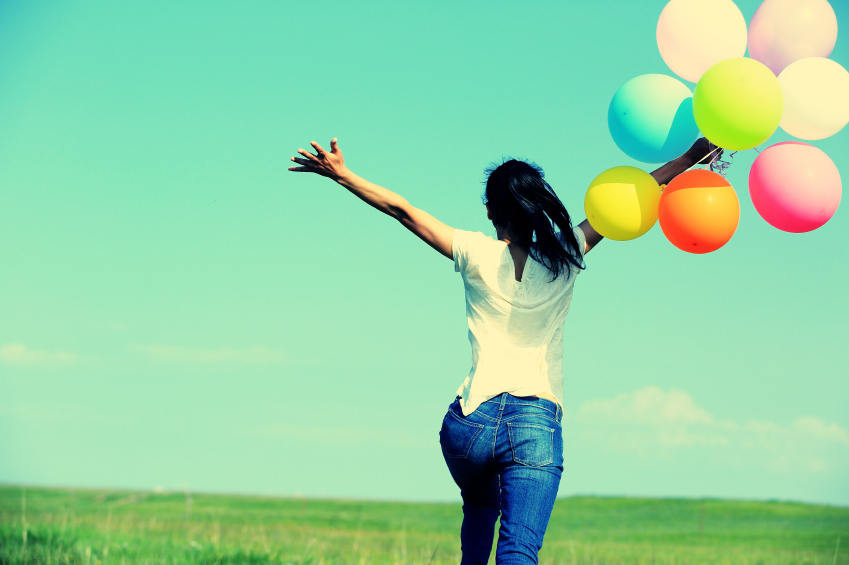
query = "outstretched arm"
x=332 y=165
x=702 y=151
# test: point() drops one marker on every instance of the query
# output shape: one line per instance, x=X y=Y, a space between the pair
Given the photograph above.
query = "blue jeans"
x=507 y=459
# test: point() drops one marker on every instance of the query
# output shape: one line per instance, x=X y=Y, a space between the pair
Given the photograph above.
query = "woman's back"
x=515 y=327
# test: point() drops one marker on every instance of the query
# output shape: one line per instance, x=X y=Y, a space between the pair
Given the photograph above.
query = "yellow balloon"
x=622 y=202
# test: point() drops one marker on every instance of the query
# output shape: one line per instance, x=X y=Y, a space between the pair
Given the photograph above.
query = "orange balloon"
x=699 y=211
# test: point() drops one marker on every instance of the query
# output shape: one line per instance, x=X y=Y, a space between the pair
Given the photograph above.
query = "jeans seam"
x=476 y=413
x=513 y=417
x=498 y=422
x=481 y=414
x=534 y=405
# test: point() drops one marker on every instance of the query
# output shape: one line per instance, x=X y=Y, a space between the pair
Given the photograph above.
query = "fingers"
x=307 y=166
x=315 y=163
x=714 y=147
x=715 y=150
x=318 y=148
x=714 y=153
x=308 y=155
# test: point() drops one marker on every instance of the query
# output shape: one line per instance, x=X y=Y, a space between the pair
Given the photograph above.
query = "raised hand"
x=327 y=164
x=703 y=152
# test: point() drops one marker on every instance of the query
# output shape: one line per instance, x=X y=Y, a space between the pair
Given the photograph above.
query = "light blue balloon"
x=651 y=118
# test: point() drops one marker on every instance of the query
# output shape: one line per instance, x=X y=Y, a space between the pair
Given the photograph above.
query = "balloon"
x=816 y=98
x=692 y=35
x=621 y=203
x=794 y=186
x=784 y=31
x=738 y=103
x=699 y=211
x=651 y=118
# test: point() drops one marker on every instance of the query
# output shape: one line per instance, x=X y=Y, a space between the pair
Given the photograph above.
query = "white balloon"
x=693 y=35
x=816 y=98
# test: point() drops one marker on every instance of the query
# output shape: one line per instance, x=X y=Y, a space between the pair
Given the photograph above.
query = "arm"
x=702 y=151
x=332 y=165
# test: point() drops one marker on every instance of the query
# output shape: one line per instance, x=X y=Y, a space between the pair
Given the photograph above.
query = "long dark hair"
x=521 y=201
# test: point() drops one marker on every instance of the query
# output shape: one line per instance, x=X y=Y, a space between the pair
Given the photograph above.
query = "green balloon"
x=738 y=103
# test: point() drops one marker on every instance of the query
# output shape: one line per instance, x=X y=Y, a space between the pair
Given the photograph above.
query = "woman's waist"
x=507 y=405
x=487 y=380
x=541 y=398
x=547 y=396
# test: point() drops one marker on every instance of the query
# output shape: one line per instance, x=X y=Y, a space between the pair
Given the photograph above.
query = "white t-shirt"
x=515 y=327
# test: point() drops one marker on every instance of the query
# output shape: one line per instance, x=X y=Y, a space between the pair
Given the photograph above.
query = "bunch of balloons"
x=738 y=103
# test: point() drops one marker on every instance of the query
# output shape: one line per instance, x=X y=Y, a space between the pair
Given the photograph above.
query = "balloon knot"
x=717 y=165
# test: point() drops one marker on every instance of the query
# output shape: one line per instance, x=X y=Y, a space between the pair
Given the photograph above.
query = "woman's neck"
x=507 y=237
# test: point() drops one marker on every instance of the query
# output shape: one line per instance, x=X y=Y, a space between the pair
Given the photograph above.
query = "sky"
x=177 y=310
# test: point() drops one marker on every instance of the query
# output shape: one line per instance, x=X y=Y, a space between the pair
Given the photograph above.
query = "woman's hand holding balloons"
x=703 y=152
x=330 y=165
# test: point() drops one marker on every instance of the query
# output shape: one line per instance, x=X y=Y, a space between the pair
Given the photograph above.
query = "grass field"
x=100 y=527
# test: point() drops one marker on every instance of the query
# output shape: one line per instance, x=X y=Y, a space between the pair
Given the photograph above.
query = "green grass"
x=104 y=527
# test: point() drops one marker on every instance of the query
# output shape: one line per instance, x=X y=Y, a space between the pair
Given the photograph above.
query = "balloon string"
x=715 y=149
x=714 y=158
x=719 y=166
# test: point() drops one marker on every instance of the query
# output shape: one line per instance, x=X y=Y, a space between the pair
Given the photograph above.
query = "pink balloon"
x=794 y=186
x=784 y=31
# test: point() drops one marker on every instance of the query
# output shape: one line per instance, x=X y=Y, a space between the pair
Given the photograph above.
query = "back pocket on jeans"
x=457 y=436
x=531 y=444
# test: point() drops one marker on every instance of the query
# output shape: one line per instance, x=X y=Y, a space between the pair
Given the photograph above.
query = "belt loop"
x=503 y=401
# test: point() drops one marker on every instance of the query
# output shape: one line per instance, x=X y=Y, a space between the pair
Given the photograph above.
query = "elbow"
x=399 y=210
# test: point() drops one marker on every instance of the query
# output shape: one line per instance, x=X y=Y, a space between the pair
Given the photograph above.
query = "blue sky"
x=176 y=309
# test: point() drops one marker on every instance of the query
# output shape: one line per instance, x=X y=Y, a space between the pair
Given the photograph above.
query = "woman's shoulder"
x=475 y=249
x=474 y=234
x=475 y=239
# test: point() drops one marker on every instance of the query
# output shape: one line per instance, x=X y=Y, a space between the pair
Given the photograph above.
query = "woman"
x=501 y=437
